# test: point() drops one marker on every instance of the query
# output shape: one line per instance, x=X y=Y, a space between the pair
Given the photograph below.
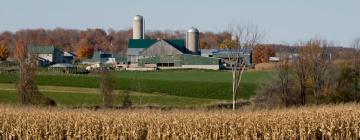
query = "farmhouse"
x=47 y=55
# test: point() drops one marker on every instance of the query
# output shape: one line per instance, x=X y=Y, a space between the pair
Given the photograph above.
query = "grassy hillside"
x=74 y=96
x=196 y=84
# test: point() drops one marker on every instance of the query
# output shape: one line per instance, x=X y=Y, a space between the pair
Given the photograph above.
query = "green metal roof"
x=146 y=43
x=141 y=43
x=177 y=43
x=41 y=49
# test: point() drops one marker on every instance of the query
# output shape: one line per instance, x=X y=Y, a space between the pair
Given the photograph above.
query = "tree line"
x=317 y=74
x=84 y=42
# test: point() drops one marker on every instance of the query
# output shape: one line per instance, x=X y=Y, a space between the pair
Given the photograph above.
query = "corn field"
x=324 y=122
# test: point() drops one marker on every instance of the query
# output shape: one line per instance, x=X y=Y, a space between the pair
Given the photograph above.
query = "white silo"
x=138 y=27
x=192 y=40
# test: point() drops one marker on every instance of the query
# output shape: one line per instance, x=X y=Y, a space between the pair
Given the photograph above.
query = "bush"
x=347 y=89
x=268 y=95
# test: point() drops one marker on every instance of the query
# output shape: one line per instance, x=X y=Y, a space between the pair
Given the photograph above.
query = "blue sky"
x=283 y=21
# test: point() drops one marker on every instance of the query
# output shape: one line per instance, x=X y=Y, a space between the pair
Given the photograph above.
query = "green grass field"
x=77 y=97
x=193 y=87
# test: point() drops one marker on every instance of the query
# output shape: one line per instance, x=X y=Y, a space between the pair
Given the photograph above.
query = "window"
x=165 y=64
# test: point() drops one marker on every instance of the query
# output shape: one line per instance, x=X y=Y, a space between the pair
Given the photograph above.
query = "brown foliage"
x=69 y=39
x=283 y=74
x=85 y=50
x=228 y=44
x=318 y=61
x=301 y=71
x=4 y=51
x=28 y=91
x=112 y=41
x=261 y=53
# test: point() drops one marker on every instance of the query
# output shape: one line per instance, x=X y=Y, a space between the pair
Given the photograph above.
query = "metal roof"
x=62 y=65
x=138 y=17
x=69 y=54
x=134 y=51
x=178 y=44
x=38 y=49
x=141 y=43
x=193 y=29
x=207 y=52
x=146 y=43
x=98 y=56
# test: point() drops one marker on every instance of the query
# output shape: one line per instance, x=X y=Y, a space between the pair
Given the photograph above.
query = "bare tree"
x=356 y=64
x=106 y=89
x=318 y=61
x=244 y=37
x=300 y=69
x=283 y=69
x=28 y=91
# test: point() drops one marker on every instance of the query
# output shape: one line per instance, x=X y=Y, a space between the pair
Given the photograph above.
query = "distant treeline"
x=100 y=39
x=116 y=41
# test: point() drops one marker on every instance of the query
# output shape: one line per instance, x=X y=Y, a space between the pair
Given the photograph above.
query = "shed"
x=63 y=67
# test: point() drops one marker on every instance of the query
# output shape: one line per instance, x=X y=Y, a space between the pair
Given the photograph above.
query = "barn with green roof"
x=47 y=55
x=166 y=53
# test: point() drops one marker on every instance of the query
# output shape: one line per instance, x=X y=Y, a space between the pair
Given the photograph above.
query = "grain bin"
x=192 y=40
x=138 y=27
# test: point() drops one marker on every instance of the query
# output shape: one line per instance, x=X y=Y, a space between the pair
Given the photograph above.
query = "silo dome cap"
x=193 y=29
x=138 y=17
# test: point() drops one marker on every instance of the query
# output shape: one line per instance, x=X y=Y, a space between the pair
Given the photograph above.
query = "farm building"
x=63 y=67
x=161 y=53
x=100 y=57
x=228 y=55
x=142 y=48
x=47 y=55
x=69 y=57
x=181 y=61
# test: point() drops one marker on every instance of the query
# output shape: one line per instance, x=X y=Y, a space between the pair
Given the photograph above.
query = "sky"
x=282 y=21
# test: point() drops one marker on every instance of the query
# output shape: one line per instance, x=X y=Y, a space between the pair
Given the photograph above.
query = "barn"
x=167 y=53
x=47 y=55
x=142 y=48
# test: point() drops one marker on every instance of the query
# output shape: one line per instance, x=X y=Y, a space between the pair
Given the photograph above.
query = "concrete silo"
x=138 y=27
x=192 y=40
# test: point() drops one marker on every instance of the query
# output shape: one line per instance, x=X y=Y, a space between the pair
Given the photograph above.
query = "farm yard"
x=171 y=70
x=317 y=122
x=186 y=88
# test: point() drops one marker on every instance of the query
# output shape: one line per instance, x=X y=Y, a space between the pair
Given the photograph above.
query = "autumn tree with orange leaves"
x=4 y=51
x=85 y=50
x=261 y=53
